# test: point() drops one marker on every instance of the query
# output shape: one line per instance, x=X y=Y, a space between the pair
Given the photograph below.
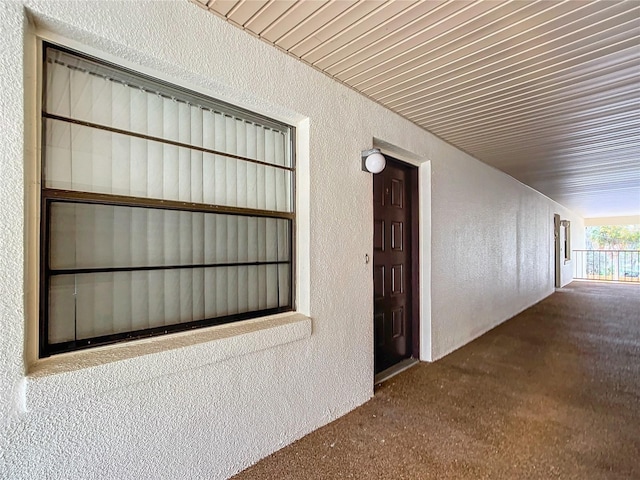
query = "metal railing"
x=611 y=265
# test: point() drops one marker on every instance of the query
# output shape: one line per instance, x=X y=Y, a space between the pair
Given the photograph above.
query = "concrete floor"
x=552 y=393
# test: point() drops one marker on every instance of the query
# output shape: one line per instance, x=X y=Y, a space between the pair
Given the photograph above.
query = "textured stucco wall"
x=206 y=410
x=492 y=243
x=11 y=208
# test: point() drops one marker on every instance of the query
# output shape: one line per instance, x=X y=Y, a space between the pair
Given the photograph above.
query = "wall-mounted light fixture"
x=373 y=161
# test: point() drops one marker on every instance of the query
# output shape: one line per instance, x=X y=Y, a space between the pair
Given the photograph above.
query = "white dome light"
x=373 y=161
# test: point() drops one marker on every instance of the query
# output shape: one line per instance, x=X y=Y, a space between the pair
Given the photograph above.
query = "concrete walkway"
x=552 y=393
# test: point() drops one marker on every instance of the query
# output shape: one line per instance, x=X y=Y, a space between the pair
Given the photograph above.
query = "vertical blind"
x=161 y=208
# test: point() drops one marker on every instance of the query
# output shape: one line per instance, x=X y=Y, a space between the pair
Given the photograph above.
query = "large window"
x=161 y=210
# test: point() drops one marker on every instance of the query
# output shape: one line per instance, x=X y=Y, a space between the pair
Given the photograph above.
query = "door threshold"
x=394 y=370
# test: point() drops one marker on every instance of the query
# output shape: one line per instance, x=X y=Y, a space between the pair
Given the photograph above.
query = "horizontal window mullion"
x=81 y=271
x=166 y=141
x=154 y=203
x=79 y=344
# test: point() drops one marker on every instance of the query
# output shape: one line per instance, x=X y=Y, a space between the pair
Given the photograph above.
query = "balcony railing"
x=612 y=265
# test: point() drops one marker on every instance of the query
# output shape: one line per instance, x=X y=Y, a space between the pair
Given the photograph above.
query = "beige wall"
x=596 y=222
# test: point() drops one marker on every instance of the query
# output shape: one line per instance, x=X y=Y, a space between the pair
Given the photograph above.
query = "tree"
x=614 y=237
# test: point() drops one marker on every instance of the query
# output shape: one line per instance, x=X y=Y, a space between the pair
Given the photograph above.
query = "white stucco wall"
x=205 y=405
x=492 y=244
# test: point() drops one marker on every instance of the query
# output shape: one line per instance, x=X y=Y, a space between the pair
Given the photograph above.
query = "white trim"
x=32 y=162
x=424 y=195
x=302 y=252
x=398 y=153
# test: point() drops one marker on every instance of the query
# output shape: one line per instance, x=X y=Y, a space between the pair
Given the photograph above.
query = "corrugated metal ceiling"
x=546 y=91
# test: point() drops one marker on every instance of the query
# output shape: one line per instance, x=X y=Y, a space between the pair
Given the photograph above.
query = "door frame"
x=557 y=251
x=413 y=174
x=415 y=260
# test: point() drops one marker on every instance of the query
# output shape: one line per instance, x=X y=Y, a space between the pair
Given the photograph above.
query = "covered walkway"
x=552 y=393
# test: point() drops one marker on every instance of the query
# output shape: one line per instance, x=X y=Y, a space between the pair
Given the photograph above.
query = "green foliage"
x=613 y=237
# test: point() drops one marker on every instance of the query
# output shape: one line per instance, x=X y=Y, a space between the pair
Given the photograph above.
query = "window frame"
x=566 y=238
x=48 y=196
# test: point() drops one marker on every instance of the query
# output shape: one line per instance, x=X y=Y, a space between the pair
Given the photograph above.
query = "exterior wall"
x=576 y=242
x=207 y=404
x=493 y=248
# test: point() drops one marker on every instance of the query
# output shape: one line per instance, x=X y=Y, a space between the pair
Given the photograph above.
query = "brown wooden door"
x=392 y=275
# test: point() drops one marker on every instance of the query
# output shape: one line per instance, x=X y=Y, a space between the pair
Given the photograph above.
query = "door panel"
x=392 y=265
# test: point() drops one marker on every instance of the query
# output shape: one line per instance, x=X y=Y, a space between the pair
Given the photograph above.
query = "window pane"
x=94 y=92
x=62 y=309
x=94 y=236
x=89 y=305
x=284 y=285
x=86 y=159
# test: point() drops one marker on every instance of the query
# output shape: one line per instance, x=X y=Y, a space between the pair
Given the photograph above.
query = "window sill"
x=66 y=378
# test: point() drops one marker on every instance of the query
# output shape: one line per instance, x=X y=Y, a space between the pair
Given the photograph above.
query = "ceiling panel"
x=245 y=10
x=504 y=49
x=305 y=31
x=401 y=24
x=547 y=91
x=268 y=15
x=356 y=31
x=284 y=26
x=330 y=32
